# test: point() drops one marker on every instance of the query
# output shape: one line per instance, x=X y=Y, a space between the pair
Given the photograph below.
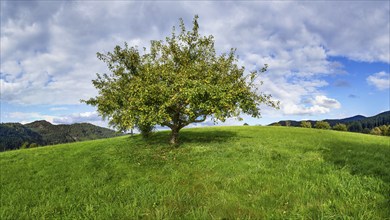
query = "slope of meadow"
x=217 y=173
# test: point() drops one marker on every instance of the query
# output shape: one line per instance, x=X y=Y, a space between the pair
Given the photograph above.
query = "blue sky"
x=327 y=59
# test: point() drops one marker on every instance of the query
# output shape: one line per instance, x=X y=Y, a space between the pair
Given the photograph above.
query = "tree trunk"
x=174 y=136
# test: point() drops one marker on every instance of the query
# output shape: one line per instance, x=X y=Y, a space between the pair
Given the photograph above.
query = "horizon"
x=327 y=60
x=196 y=125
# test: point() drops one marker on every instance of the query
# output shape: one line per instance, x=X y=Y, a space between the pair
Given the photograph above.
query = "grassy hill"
x=218 y=173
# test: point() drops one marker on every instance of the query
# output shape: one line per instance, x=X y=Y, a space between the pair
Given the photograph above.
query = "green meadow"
x=244 y=172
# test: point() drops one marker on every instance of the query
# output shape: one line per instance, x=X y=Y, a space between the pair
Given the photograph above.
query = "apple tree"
x=178 y=81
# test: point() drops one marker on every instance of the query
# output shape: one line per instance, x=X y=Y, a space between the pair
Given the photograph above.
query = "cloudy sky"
x=327 y=59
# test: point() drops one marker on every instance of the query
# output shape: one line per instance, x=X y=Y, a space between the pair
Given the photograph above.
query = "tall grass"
x=217 y=173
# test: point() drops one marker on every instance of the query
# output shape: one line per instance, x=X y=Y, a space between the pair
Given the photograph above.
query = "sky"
x=327 y=59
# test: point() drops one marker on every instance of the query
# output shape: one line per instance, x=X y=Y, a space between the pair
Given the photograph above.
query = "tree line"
x=377 y=124
x=355 y=126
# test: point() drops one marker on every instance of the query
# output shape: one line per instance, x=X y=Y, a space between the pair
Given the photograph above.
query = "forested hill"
x=40 y=133
x=357 y=123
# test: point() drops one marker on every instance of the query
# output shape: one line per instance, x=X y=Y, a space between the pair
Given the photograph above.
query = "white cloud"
x=298 y=96
x=357 y=30
x=380 y=80
x=293 y=109
x=58 y=108
x=11 y=67
x=27 y=117
x=11 y=90
x=319 y=105
x=326 y=102
x=48 y=48
x=83 y=117
x=17 y=36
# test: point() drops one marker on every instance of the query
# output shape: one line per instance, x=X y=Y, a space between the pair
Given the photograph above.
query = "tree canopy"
x=306 y=124
x=322 y=125
x=176 y=82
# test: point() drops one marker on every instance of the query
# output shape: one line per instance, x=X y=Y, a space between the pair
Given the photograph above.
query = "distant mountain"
x=16 y=135
x=365 y=122
x=351 y=119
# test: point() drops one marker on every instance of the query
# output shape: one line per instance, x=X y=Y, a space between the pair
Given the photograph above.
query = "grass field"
x=217 y=173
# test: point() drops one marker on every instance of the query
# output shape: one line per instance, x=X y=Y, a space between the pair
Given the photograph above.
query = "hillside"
x=246 y=172
x=366 y=122
x=14 y=135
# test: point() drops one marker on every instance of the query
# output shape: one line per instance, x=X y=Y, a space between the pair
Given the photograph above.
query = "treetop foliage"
x=340 y=127
x=322 y=125
x=305 y=124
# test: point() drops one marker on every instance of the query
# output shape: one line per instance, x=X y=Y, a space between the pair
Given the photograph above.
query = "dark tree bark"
x=174 y=135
